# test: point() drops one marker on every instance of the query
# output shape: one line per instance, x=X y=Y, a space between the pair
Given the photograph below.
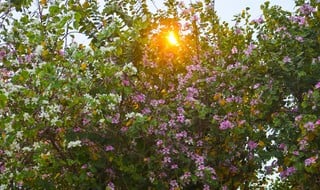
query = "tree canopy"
x=171 y=99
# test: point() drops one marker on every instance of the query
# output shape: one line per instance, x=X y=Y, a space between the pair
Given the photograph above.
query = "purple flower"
x=2 y=167
x=299 y=39
x=2 y=54
x=303 y=143
x=283 y=146
x=258 y=21
x=109 y=148
x=298 y=19
x=174 y=166
x=165 y=151
x=296 y=153
x=289 y=171
x=111 y=186
x=115 y=119
x=173 y=184
x=309 y=126
x=252 y=145
x=309 y=161
x=139 y=98
x=233 y=169
x=180 y=118
x=166 y=159
x=307 y=9
x=286 y=59
x=298 y=118
x=185 y=176
x=199 y=160
x=206 y=187
x=226 y=125
x=234 y=50
x=317 y=86
x=249 y=49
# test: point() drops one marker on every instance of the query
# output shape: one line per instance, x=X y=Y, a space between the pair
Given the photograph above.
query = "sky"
x=226 y=9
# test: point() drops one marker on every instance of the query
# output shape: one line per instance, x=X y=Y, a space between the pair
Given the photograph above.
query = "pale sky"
x=226 y=9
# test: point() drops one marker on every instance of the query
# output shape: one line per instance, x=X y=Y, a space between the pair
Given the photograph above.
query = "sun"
x=172 y=39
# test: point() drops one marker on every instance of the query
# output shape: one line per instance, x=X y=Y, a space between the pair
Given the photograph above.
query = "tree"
x=131 y=110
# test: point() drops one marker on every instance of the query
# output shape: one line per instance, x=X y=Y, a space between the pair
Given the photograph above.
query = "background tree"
x=165 y=100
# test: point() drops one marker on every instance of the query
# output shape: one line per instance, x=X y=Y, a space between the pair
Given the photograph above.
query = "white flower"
x=43 y=114
x=72 y=144
x=54 y=120
x=26 y=149
x=3 y=187
x=36 y=145
x=15 y=146
x=8 y=127
x=130 y=69
x=19 y=134
x=115 y=98
x=133 y=115
x=26 y=116
x=38 y=50
x=8 y=153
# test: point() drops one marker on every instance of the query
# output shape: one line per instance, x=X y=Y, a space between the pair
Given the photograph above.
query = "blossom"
x=38 y=50
x=226 y=125
x=173 y=184
x=109 y=148
x=72 y=144
x=252 y=145
x=309 y=161
x=298 y=19
x=139 y=98
x=303 y=143
x=110 y=186
x=167 y=159
x=299 y=39
x=289 y=171
x=317 y=86
x=234 y=50
x=307 y=9
x=249 y=49
x=286 y=59
x=206 y=187
x=309 y=126
x=258 y=20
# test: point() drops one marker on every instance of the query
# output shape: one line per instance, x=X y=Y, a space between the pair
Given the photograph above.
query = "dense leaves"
x=225 y=107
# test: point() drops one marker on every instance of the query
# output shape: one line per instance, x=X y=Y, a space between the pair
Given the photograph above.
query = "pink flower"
x=234 y=50
x=252 y=145
x=111 y=186
x=309 y=126
x=258 y=21
x=299 y=39
x=226 y=125
x=317 y=86
x=296 y=153
x=109 y=148
x=286 y=59
x=307 y=9
x=139 y=98
x=303 y=143
x=309 y=161
x=167 y=159
x=249 y=49
x=173 y=184
x=206 y=187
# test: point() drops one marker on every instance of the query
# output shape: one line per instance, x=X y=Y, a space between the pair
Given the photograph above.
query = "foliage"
x=131 y=111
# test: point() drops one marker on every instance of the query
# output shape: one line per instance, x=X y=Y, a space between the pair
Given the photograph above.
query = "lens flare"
x=172 y=39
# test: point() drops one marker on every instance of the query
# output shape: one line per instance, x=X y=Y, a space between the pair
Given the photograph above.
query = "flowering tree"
x=166 y=100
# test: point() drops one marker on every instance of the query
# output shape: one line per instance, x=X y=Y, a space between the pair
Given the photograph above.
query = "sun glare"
x=172 y=39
